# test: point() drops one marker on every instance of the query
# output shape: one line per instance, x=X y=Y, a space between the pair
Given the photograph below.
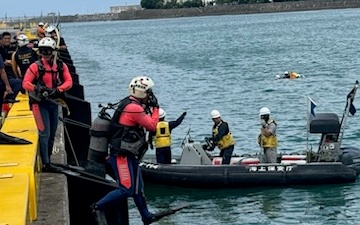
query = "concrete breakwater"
x=217 y=10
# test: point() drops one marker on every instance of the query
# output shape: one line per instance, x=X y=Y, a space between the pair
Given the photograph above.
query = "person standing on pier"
x=6 y=51
x=40 y=31
x=53 y=34
x=23 y=57
x=127 y=140
x=4 y=86
x=46 y=80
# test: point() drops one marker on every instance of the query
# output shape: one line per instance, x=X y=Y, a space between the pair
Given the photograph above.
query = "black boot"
x=157 y=216
x=51 y=168
x=149 y=220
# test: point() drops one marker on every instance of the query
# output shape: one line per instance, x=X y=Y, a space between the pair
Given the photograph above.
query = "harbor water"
x=229 y=63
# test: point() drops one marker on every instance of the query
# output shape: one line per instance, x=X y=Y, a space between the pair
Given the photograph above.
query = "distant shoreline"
x=217 y=10
x=208 y=11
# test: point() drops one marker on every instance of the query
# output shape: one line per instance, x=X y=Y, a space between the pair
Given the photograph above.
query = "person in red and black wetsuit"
x=46 y=80
x=128 y=144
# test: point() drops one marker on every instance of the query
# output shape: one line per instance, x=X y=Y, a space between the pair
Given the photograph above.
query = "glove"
x=54 y=93
x=184 y=114
x=205 y=147
x=41 y=91
x=39 y=88
x=263 y=124
x=153 y=101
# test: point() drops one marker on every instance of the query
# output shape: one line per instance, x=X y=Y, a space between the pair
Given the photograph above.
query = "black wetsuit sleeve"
x=173 y=124
x=223 y=130
x=62 y=41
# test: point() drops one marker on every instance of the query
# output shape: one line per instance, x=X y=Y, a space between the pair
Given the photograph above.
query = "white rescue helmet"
x=264 y=111
x=50 y=29
x=140 y=86
x=41 y=24
x=215 y=114
x=22 y=40
x=47 y=42
x=286 y=73
x=162 y=113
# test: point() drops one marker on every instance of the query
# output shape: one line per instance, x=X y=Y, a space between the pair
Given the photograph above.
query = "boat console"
x=194 y=154
x=328 y=125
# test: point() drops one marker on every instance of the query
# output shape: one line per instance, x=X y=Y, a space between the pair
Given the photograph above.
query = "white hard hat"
x=162 y=113
x=41 y=24
x=286 y=73
x=139 y=86
x=47 y=42
x=264 y=111
x=215 y=114
x=50 y=29
x=22 y=40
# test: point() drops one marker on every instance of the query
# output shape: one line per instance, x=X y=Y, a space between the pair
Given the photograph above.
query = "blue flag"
x=312 y=108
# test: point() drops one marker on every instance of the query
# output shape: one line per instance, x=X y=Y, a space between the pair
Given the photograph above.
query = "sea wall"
x=217 y=10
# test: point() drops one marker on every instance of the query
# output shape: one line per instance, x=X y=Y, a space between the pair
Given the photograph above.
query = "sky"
x=21 y=8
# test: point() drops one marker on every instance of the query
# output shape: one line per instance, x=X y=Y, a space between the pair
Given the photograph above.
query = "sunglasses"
x=46 y=51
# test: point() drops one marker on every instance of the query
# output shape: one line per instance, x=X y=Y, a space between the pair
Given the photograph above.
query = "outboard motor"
x=351 y=157
x=98 y=149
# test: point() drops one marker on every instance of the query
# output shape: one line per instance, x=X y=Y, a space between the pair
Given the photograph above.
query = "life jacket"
x=270 y=141
x=126 y=139
x=162 y=136
x=226 y=141
x=294 y=75
x=33 y=98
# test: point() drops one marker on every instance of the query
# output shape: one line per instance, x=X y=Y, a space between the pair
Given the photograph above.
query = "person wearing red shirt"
x=46 y=80
x=135 y=115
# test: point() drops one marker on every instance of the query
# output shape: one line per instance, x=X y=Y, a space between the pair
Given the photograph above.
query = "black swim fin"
x=7 y=139
x=169 y=211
